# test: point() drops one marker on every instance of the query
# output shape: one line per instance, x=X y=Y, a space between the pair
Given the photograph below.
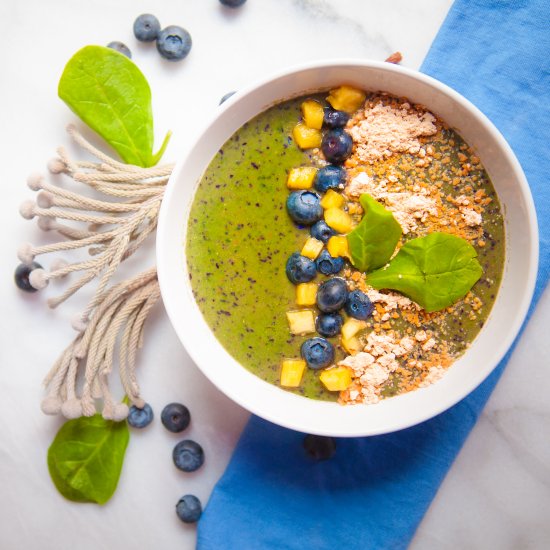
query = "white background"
x=497 y=494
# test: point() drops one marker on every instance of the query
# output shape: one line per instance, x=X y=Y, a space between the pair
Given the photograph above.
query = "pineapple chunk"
x=306 y=294
x=346 y=98
x=352 y=346
x=351 y=327
x=306 y=138
x=292 y=372
x=336 y=379
x=301 y=178
x=312 y=248
x=332 y=199
x=301 y=322
x=313 y=114
x=338 y=246
x=339 y=220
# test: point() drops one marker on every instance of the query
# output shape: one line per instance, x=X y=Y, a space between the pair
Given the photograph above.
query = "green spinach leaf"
x=85 y=458
x=111 y=95
x=373 y=241
x=434 y=271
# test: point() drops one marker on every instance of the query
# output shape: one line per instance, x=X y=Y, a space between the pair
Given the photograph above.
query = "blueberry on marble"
x=336 y=146
x=188 y=455
x=189 y=508
x=304 y=207
x=175 y=417
x=327 y=264
x=317 y=352
x=358 y=305
x=335 y=119
x=174 y=43
x=139 y=418
x=120 y=47
x=321 y=231
x=300 y=269
x=22 y=274
x=332 y=295
x=232 y=3
x=329 y=324
x=226 y=97
x=319 y=447
x=329 y=177
x=146 y=27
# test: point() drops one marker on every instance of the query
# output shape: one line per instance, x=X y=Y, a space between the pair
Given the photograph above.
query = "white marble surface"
x=497 y=495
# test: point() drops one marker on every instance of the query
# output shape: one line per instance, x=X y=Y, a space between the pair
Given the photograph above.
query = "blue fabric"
x=375 y=491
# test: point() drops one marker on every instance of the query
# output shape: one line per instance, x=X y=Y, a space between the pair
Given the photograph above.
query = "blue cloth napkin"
x=374 y=492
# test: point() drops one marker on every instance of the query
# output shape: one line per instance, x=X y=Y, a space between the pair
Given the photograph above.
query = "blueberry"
x=174 y=43
x=328 y=265
x=321 y=231
x=300 y=269
x=317 y=352
x=329 y=324
x=146 y=27
x=358 y=305
x=188 y=455
x=335 y=119
x=139 y=418
x=232 y=3
x=120 y=48
x=329 y=177
x=319 y=447
x=304 y=207
x=336 y=146
x=189 y=508
x=226 y=97
x=175 y=417
x=332 y=295
x=21 y=276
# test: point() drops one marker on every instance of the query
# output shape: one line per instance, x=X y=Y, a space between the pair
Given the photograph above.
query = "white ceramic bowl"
x=307 y=415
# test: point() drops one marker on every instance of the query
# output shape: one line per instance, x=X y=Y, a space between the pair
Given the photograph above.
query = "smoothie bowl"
x=348 y=249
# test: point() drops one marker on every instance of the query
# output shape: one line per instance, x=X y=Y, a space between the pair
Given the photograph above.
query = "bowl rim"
x=307 y=425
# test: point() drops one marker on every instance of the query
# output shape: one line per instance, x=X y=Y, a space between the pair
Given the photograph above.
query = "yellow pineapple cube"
x=306 y=138
x=351 y=327
x=292 y=372
x=301 y=177
x=339 y=220
x=332 y=199
x=312 y=248
x=301 y=322
x=336 y=379
x=346 y=98
x=352 y=346
x=313 y=114
x=306 y=294
x=338 y=246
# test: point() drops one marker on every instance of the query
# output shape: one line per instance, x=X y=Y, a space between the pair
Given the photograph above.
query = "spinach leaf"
x=373 y=241
x=111 y=95
x=85 y=458
x=434 y=271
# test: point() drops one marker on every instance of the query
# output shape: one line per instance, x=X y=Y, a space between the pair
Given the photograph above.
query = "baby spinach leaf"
x=111 y=95
x=85 y=458
x=434 y=271
x=373 y=241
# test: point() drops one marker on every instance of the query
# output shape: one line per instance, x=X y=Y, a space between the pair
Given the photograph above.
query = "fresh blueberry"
x=300 y=269
x=174 y=43
x=146 y=27
x=336 y=145
x=189 y=508
x=175 y=417
x=317 y=352
x=304 y=207
x=139 y=418
x=226 y=97
x=321 y=231
x=188 y=455
x=332 y=295
x=329 y=177
x=232 y=3
x=319 y=447
x=21 y=276
x=328 y=265
x=329 y=324
x=120 y=48
x=359 y=305
x=335 y=119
